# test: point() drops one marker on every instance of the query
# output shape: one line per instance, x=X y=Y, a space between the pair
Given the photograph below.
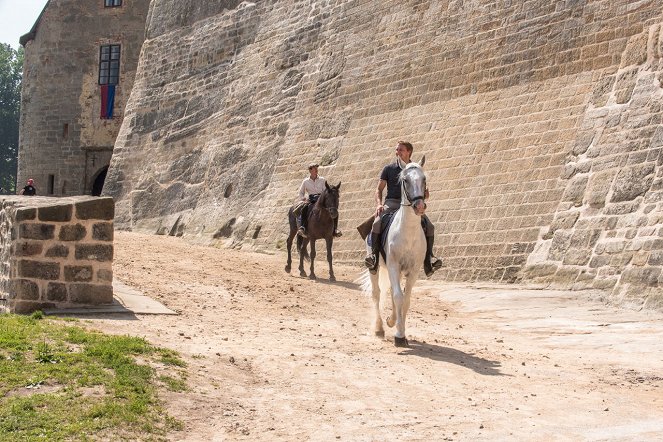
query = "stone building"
x=540 y=121
x=80 y=62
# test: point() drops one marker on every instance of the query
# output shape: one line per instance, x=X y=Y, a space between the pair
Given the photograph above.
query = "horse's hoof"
x=332 y=278
x=287 y=269
x=312 y=276
x=401 y=342
x=302 y=274
x=379 y=334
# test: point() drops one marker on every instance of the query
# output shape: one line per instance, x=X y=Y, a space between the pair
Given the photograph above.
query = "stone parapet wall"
x=55 y=253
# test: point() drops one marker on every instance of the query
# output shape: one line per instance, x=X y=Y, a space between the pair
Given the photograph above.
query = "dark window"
x=109 y=64
x=112 y=3
x=51 y=184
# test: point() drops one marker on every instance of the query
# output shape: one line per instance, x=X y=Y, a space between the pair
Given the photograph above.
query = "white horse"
x=405 y=248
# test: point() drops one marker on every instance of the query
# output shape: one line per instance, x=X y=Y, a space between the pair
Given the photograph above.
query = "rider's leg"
x=337 y=232
x=303 y=222
x=372 y=260
x=431 y=263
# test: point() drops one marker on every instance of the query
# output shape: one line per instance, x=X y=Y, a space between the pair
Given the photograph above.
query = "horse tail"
x=302 y=250
x=366 y=285
x=364 y=282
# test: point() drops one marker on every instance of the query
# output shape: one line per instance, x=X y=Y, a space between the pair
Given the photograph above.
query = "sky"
x=17 y=18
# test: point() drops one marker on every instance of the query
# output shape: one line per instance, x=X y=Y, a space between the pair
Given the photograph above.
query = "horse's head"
x=329 y=199
x=413 y=182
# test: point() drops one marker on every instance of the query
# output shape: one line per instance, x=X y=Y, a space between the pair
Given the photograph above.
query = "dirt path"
x=278 y=357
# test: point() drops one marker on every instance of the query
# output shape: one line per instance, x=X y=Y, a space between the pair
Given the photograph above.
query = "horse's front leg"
x=398 y=301
x=410 y=279
x=311 y=274
x=330 y=242
x=302 y=272
x=375 y=288
x=288 y=244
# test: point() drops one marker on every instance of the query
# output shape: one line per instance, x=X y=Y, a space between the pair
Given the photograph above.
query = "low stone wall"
x=55 y=252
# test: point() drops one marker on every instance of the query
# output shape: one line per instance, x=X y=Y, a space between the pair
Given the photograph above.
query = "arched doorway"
x=98 y=183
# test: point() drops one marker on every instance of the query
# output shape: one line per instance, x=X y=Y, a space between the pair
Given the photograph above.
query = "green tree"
x=11 y=69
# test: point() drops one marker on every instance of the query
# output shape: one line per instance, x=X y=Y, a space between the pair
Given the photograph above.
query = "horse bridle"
x=407 y=196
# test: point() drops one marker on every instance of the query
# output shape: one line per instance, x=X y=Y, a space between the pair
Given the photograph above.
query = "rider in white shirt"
x=313 y=187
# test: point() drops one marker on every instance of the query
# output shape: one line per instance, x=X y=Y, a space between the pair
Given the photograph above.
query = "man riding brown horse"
x=309 y=192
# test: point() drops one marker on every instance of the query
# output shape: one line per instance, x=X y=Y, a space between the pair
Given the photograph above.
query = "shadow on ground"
x=453 y=356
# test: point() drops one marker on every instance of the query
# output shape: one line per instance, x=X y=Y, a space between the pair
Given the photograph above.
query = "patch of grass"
x=59 y=381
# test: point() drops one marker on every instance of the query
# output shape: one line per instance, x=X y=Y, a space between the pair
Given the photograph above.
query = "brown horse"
x=320 y=226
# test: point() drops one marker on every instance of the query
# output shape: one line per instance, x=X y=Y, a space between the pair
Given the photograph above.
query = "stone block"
x=643 y=276
x=24 y=289
x=94 y=252
x=57 y=213
x=98 y=208
x=72 y=232
x=655 y=258
x=28 y=248
x=632 y=182
x=577 y=256
x=25 y=214
x=38 y=269
x=91 y=294
x=562 y=221
x=56 y=291
x=575 y=189
x=26 y=307
x=598 y=187
x=102 y=232
x=604 y=283
x=583 y=141
x=57 y=251
x=560 y=244
x=78 y=273
x=105 y=275
x=599 y=261
x=540 y=271
x=36 y=231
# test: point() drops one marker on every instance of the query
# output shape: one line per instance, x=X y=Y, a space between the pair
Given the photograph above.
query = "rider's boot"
x=373 y=259
x=431 y=263
x=301 y=228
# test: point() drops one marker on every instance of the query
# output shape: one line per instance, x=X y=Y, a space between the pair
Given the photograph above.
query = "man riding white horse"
x=392 y=202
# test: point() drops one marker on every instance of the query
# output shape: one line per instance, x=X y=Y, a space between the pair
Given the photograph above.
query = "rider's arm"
x=302 y=191
x=378 y=197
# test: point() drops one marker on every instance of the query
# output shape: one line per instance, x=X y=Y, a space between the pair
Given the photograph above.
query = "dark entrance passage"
x=98 y=184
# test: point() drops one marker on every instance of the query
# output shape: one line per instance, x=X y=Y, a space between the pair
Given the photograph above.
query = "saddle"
x=386 y=219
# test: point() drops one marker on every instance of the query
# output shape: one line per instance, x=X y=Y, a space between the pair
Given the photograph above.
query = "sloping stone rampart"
x=607 y=232
x=233 y=99
x=55 y=253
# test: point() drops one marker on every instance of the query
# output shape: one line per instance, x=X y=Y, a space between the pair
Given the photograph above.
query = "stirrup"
x=302 y=232
x=371 y=262
x=337 y=234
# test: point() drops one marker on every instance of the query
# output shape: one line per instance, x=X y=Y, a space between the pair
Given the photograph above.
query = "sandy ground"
x=274 y=356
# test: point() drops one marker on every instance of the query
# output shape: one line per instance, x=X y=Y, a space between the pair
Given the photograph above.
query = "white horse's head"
x=413 y=182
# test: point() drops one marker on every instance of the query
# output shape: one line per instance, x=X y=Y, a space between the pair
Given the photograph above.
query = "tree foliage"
x=11 y=68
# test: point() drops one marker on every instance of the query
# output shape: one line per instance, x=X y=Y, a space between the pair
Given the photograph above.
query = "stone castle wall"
x=55 y=253
x=64 y=144
x=526 y=112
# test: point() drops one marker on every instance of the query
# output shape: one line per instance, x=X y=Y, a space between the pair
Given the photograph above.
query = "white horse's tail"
x=365 y=282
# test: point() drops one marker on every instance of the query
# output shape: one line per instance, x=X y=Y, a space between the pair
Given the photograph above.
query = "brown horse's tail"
x=303 y=251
